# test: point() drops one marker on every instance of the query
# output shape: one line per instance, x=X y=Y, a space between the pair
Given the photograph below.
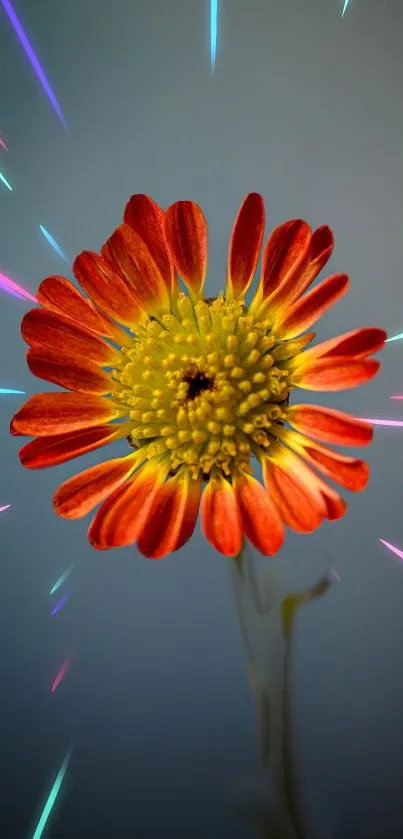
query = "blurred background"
x=305 y=107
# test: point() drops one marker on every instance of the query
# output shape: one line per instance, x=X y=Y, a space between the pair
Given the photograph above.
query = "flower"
x=200 y=387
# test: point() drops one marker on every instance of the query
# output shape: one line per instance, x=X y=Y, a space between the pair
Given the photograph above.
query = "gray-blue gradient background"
x=307 y=109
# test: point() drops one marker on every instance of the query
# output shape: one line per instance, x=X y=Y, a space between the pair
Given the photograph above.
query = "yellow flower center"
x=202 y=386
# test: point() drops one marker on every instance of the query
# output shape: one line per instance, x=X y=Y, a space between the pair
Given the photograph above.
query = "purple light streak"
x=13 y=288
x=61 y=674
x=385 y=422
x=33 y=59
x=392 y=548
x=59 y=605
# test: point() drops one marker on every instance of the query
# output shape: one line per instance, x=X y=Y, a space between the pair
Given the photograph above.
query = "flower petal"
x=107 y=288
x=51 y=451
x=69 y=372
x=172 y=517
x=357 y=344
x=122 y=517
x=57 y=294
x=186 y=232
x=316 y=256
x=146 y=218
x=128 y=254
x=46 y=414
x=299 y=506
x=283 y=256
x=221 y=522
x=245 y=244
x=330 y=426
x=81 y=493
x=47 y=330
x=349 y=472
x=331 y=374
x=260 y=520
x=302 y=314
x=323 y=497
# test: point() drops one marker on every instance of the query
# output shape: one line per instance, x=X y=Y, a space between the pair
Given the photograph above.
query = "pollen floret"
x=201 y=385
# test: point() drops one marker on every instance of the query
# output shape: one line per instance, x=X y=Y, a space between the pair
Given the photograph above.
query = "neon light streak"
x=5 y=181
x=385 y=422
x=13 y=288
x=392 y=548
x=63 y=600
x=6 y=390
x=5 y=508
x=3 y=145
x=52 y=797
x=61 y=674
x=33 y=59
x=53 y=243
x=396 y=397
x=213 y=32
x=61 y=579
x=346 y=2
x=394 y=338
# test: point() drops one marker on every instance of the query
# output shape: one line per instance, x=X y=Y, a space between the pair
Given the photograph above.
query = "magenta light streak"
x=396 y=397
x=61 y=674
x=392 y=548
x=13 y=288
x=33 y=59
x=3 y=145
x=386 y=422
x=4 y=508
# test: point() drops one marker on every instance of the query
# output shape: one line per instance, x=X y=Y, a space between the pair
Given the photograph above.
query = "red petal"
x=220 y=517
x=260 y=520
x=186 y=232
x=317 y=255
x=60 y=295
x=357 y=344
x=299 y=506
x=330 y=374
x=302 y=314
x=284 y=254
x=67 y=371
x=324 y=498
x=122 y=517
x=50 y=331
x=329 y=426
x=172 y=517
x=51 y=451
x=349 y=472
x=128 y=254
x=81 y=493
x=146 y=218
x=47 y=414
x=107 y=288
x=245 y=245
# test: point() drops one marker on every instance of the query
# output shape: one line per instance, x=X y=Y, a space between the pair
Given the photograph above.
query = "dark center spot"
x=197 y=382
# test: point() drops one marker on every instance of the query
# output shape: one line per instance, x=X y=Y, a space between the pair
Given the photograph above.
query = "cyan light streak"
x=392 y=548
x=13 y=288
x=394 y=338
x=33 y=59
x=59 y=605
x=213 y=32
x=62 y=579
x=5 y=181
x=52 y=797
x=53 y=243
x=346 y=2
x=6 y=390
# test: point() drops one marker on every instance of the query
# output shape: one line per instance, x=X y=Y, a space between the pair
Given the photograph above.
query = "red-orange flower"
x=198 y=386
